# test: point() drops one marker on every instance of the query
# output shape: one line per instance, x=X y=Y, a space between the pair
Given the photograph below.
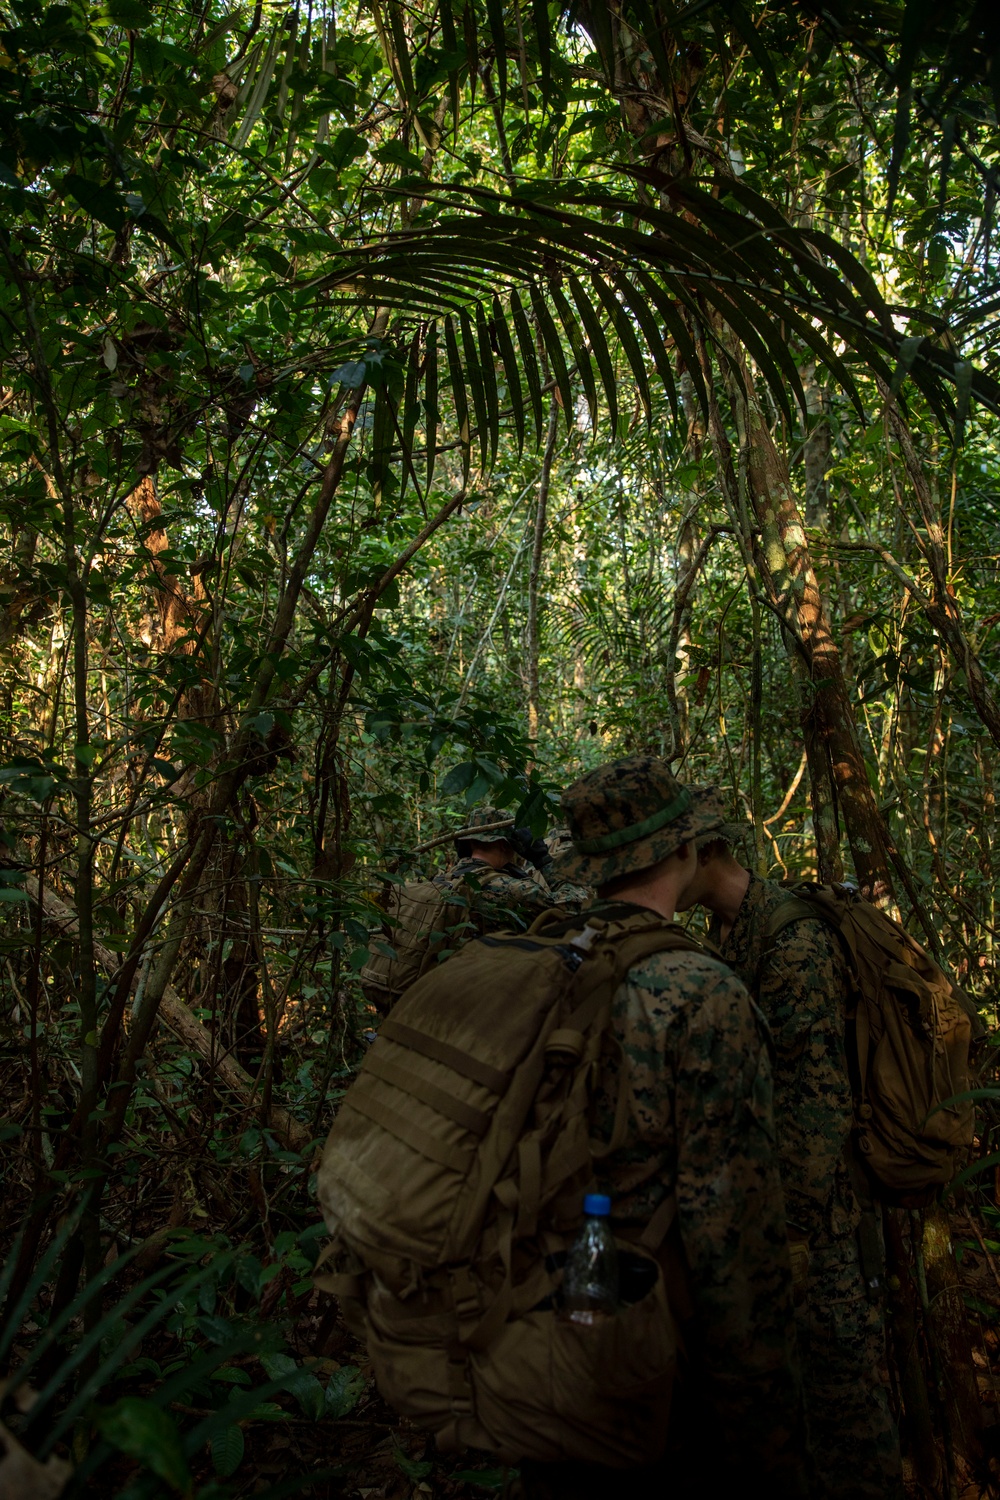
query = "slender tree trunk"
x=535 y=571
x=793 y=591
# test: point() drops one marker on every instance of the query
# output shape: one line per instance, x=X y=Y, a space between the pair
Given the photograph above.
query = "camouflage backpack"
x=453 y=1181
x=909 y=1035
x=425 y=922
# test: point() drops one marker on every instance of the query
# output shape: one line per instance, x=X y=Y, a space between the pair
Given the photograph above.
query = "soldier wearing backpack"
x=512 y=876
x=488 y=887
x=799 y=975
x=604 y=1052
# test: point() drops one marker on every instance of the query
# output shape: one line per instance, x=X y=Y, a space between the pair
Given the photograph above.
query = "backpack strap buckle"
x=585 y=940
x=465 y=1299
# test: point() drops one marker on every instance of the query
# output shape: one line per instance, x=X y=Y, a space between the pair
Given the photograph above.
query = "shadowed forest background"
x=409 y=404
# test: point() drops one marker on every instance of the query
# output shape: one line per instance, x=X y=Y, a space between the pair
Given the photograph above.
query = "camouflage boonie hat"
x=481 y=827
x=627 y=816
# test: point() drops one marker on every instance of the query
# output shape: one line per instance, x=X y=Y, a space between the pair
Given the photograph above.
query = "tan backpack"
x=909 y=1035
x=453 y=1182
x=425 y=923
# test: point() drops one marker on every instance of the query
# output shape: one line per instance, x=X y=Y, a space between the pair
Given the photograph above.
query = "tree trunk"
x=793 y=591
x=951 y=1344
x=535 y=571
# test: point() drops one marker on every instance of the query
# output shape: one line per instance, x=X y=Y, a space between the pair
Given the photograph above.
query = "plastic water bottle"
x=590 y=1277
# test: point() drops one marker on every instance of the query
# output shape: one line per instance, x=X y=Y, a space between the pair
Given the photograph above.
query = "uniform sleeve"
x=509 y=900
x=732 y=1226
x=564 y=893
x=803 y=992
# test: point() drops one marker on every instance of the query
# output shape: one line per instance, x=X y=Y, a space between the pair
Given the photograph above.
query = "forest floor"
x=328 y=1434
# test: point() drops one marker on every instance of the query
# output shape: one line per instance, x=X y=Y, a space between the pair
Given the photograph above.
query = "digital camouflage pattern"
x=698 y=1088
x=803 y=991
x=628 y=815
x=482 y=826
x=509 y=897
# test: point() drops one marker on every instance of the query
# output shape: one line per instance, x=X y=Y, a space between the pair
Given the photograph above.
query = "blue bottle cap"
x=598 y=1205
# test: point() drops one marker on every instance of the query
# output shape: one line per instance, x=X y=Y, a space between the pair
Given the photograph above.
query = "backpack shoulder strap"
x=794 y=906
x=799 y=903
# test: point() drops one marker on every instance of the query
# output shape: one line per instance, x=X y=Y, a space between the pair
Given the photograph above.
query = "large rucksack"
x=453 y=1182
x=909 y=1035
x=425 y=923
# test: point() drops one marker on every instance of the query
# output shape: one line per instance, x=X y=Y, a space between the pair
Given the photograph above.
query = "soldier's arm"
x=732 y=1226
x=514 y=901
x=803 y=992
x=566 y=894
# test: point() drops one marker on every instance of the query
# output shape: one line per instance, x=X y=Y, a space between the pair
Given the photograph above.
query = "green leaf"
x=488 y=373
x=458 y=779
x=528 y=360
x=477 y=384
x=147 y=1433
x=298 y=1381
x=397 y=154
x=353 y=374
x=459 y=396
x=599 y=345
x=485 y=1479
x=552 y=344
x=130 y=13
x=512 y=374
x=344 y=1390
x=431 y=414
x=414 y=1469
x=102 y=203
x=581 y=358
x=227 y=1450
x=626 y=334
x=495 y=15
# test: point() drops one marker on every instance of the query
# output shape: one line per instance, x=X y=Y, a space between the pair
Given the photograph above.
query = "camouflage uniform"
x=512 y=896
x=698 y=1088
x=509 y=897
x=558 y=842
x=803 y=990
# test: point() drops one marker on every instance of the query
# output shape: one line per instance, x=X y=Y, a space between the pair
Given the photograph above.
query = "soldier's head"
x=720 y=880
x=633 y=828
x=486 y=836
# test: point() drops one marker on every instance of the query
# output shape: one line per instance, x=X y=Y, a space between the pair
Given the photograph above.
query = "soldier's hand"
x=538 y=854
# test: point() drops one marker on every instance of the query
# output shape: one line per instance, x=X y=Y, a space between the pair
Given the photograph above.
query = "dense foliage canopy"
x=403 y=405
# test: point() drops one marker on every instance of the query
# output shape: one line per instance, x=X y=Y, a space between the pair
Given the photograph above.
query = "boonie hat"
x=630 y=814
x=482 y=827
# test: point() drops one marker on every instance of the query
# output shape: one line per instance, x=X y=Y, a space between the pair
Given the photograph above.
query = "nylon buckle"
x=464 y=1294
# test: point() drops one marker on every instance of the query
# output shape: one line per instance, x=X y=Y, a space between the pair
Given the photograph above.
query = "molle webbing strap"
x=407 y=1130
x=377 y=1066
x=460 y=1062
